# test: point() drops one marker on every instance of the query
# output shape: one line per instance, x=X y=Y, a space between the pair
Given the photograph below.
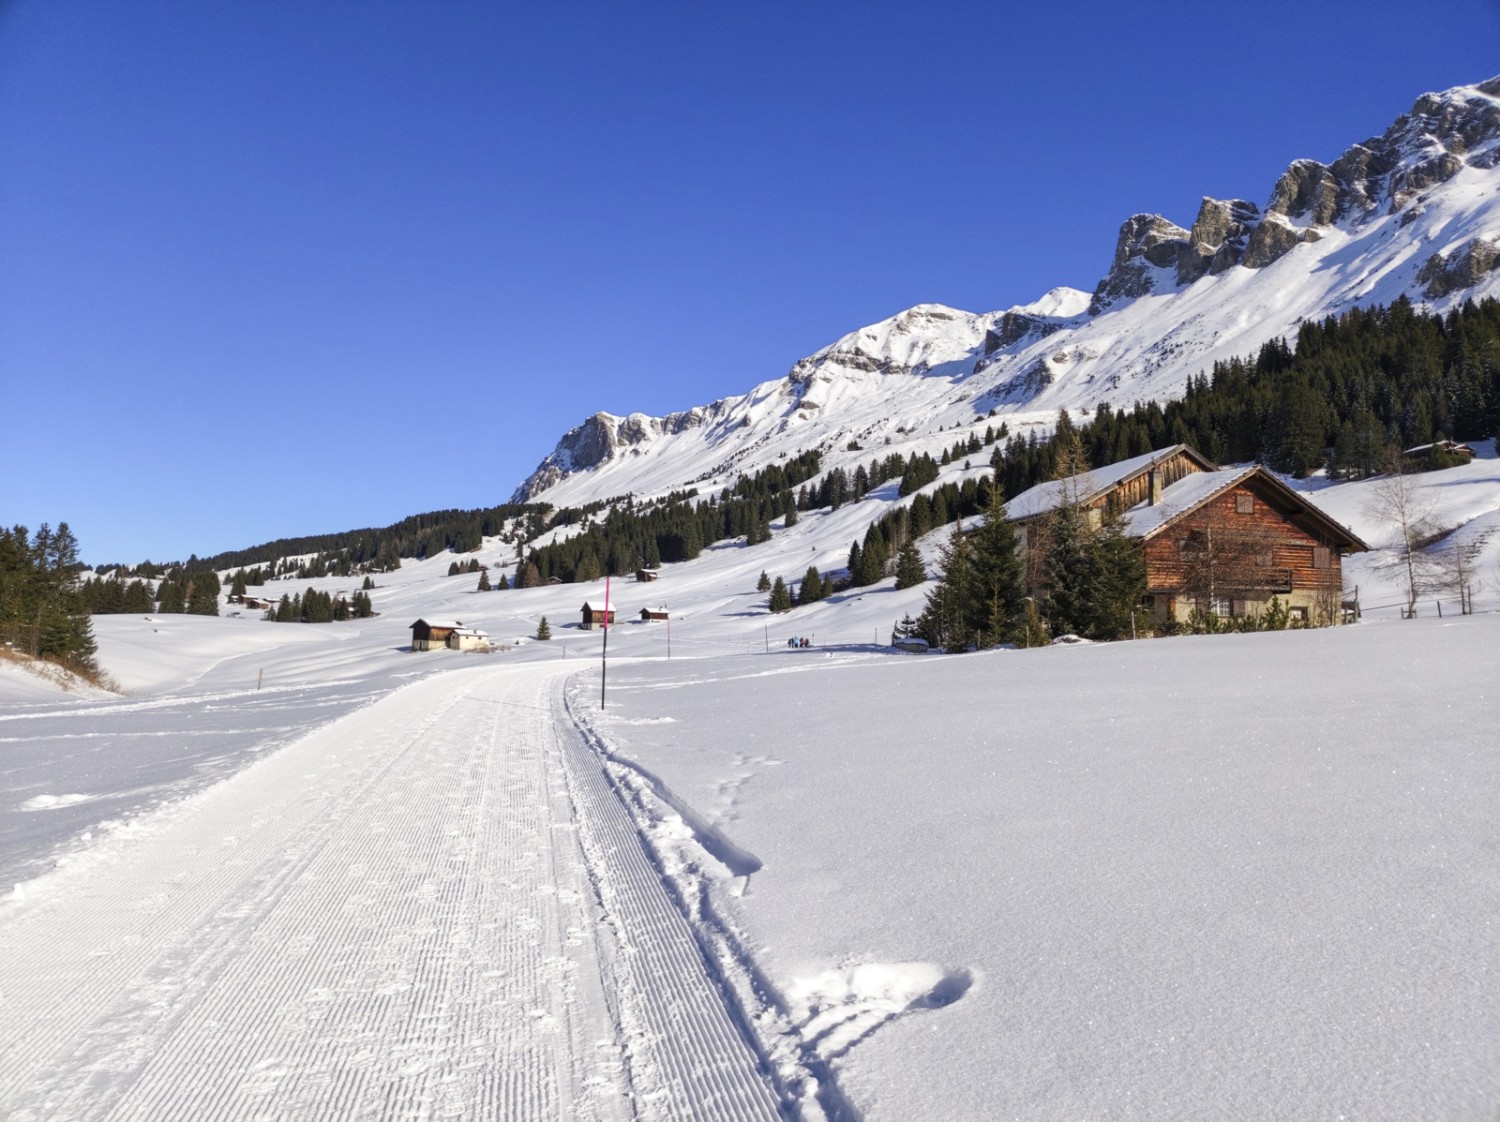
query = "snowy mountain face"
x=1414 y=212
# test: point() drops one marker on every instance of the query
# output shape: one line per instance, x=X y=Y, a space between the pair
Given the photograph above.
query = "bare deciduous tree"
x=1397 y=500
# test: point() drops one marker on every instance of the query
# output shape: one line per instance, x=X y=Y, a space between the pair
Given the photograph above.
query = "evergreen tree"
x=998 y=588
x=811 y=589
x=543 y=630
x=203 y=594
x=503 y=584
x=237 y=588
x=170 y=598
x=945 y=622
x=781 y=599
x=484 y=581
x=909 y=570
x=764 y=584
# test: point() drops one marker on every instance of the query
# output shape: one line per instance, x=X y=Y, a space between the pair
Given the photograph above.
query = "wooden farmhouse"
x=1220 y=541
x=1439 y=454
x=432 y=635
x=654 y=615
x=594 y=616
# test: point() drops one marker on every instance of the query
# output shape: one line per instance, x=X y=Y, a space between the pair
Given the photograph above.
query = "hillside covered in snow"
x=1414 y=212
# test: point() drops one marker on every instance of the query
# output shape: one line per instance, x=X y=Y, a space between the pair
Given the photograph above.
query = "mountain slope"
x=1414 y=212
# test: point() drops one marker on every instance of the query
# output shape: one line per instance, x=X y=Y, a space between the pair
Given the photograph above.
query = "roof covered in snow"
x=1092 y=484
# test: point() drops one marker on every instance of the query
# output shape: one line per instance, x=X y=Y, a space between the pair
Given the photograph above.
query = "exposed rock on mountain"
x=1413 y=212
x=1442 y=274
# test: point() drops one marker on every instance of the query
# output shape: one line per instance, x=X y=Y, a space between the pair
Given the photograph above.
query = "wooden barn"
x=594 y=616
x=1219 y=541
x=647 y=574
x=654 y=615
x=432 y=634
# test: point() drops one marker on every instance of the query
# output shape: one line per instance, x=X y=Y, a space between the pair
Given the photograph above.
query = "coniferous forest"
x=42 y=612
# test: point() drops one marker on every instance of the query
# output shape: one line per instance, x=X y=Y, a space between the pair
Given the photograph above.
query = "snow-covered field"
x=300 y=872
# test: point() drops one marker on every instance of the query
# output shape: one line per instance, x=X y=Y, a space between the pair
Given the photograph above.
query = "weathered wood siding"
x=1137 y=489
x=1265 y=553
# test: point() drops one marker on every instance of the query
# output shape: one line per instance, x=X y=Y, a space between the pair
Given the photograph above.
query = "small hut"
x=468 y=639
x=654 y=615
x=594 y=615
x=647 y=574
x=432 y=634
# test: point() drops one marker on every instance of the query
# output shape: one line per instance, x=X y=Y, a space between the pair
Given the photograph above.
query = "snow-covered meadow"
x=1247 y=876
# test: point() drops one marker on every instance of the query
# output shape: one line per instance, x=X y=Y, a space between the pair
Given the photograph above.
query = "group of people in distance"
x=798 y=643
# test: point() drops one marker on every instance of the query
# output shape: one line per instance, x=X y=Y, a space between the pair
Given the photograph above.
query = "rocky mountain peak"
x=1443 y=134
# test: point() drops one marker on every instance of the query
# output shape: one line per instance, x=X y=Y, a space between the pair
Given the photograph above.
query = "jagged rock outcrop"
x=1445 y=273
x=602 y=438
x=1146 y=242
x=1015 y=326
x=1443 y=134
x=1217 y=239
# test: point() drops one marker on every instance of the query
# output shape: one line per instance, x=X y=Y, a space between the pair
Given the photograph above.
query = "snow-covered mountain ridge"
x=1414 y=212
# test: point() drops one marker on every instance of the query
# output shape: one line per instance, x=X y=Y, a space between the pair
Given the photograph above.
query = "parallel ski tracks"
x=394 y=918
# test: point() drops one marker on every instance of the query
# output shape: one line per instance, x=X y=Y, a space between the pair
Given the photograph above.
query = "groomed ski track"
x=433 y=908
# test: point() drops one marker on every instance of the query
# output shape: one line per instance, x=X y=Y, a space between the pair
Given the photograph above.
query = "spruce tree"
x=781 y=599
x=945 y=622
x=998 y=584
x=909 y=570
x=484 y=581
x=543 y=630
x=764 y=584
x=811 y=589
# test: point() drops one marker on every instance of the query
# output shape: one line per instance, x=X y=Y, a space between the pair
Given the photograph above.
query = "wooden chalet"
x=1221 y=541
x=594 y=615
x=432 y=634
x=647 y=574
x=654 y=615
x=1439 y=454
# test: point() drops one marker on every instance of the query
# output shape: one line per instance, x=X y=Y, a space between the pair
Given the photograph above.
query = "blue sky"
x=278 y=268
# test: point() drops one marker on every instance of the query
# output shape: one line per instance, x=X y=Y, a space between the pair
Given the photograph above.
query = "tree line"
x=42 y=612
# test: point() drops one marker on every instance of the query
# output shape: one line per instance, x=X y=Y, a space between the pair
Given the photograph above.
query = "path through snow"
x=393 y=918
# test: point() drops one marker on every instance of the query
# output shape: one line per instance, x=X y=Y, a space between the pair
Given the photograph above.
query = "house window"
x=1297 y=614
x=1237 y=608
x=1244 y=504
x=1321 y=556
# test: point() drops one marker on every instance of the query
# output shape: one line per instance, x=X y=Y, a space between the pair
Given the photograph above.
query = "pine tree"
x=998 y=583
x=543 y=630
x=503 y=584
x=369 y=584
x=811 y=589
x=764 y=584
x=781 y=599
x=909 y=570
x=944 y=623
x=484 y=581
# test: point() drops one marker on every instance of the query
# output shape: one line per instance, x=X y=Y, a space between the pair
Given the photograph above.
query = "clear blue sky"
x=278 y=268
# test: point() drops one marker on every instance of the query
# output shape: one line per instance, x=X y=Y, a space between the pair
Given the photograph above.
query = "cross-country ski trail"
x=401 y=916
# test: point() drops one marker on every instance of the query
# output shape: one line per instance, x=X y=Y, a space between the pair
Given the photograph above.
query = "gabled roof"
x=1097 y=483
x=451 y=624
x=590 y=606
x=1192 y=492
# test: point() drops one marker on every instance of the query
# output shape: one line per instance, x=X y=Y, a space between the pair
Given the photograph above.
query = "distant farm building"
x=654 y=615
x=1219 y=541
x=647 y=574
x=467 y=639
x=911 y=644
x=594 y=615
x=1439 y=454
x=432 y=634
